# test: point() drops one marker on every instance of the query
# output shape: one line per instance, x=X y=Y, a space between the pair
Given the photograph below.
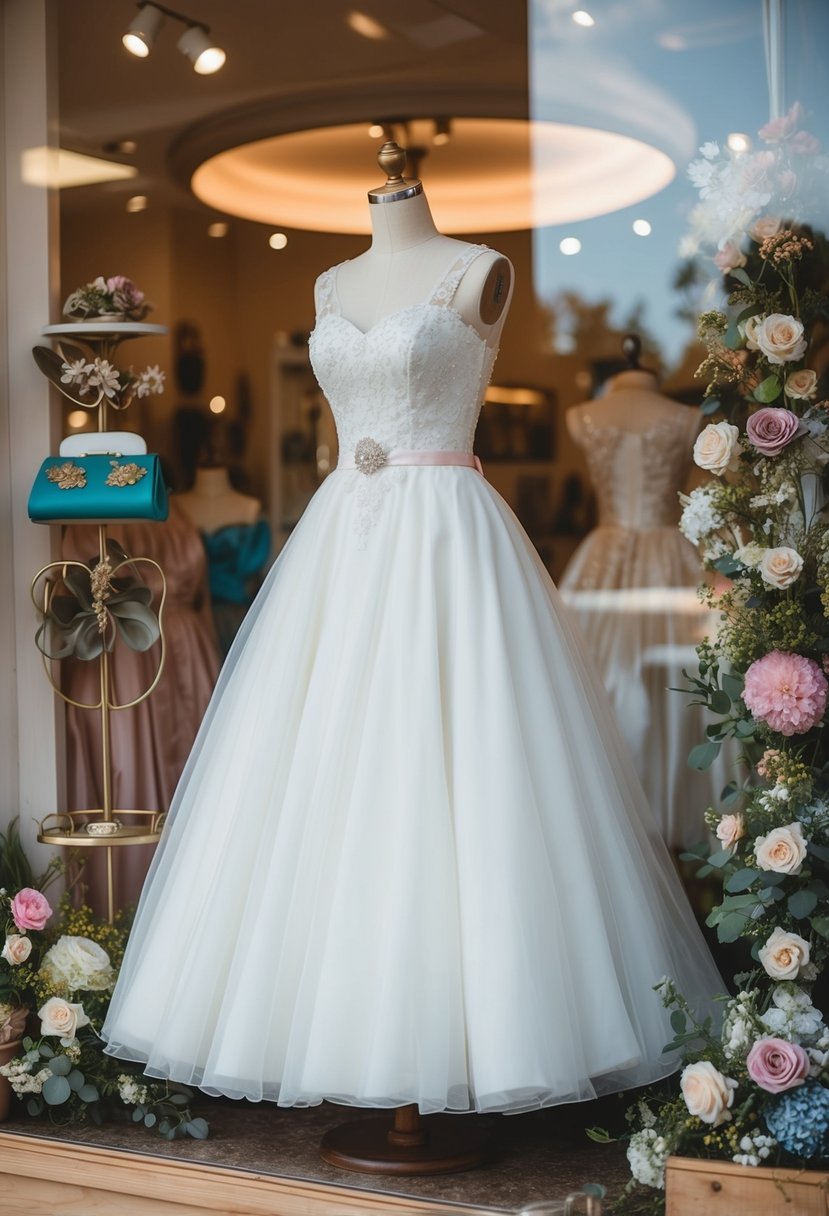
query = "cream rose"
x=729 y=256
x=780 y=338
x=78 y=963
x=707 y=1093
x=781 y=567
x=784 y=955
x=750 y=331
x=782 y=850
x=730 y=829
x=764 y=227
x=716 y=448
x=802 y=384
x=17 y=949
x=61 y=1017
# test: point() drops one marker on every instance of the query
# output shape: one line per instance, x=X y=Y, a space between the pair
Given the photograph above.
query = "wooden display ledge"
x=58 y=1178
x=718 y=1188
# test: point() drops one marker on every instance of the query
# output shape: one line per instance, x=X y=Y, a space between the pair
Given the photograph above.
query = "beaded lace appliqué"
x=414 y=380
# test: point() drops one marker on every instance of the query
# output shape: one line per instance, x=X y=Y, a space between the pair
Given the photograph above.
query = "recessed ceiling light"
x=217 y=405
x=580 y=17
x=138 y=202
x=738 y=142
x=570 y=245
x=77 y=418
x=366 y=26
x=642 y=228
x=277 y=240
x=376 y=130
x=218 y=229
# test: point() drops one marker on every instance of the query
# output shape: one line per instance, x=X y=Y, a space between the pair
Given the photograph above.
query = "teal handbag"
x=99 y=489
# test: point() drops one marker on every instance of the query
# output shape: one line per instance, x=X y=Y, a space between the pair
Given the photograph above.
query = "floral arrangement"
x=66 y=974
x=115 y=299
x=756 y=1090
x=92 y=381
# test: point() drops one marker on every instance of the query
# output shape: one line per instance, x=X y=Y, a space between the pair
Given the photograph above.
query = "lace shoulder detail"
x=444 y=293
x=324 y=292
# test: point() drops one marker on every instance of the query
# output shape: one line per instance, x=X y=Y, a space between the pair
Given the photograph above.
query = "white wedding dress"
x=409 y=860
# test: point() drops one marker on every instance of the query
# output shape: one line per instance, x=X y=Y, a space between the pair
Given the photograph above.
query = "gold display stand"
x=105 y=827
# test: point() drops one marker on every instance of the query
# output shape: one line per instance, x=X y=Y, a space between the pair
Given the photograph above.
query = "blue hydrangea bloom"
x=799 y=1119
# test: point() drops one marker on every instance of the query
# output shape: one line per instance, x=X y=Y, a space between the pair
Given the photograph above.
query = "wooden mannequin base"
x=438 y=1144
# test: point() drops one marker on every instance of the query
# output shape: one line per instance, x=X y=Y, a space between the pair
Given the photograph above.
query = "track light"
x=143 y=30
x=195 y=42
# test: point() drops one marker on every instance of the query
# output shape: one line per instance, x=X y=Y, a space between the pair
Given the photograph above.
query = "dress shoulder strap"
x=324 y=292
x=444 y=293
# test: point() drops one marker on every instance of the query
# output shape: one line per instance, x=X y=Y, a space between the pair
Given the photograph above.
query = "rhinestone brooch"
x=369 y=456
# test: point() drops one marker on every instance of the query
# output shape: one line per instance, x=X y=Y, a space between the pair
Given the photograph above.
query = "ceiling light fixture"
x=138 y=202
x=366 y=26
x=443 y=132
x=195 y=42
x=582 y=18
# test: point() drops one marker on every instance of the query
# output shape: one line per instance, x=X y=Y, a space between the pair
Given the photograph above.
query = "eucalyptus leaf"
x=741 y=880
x=731 y=927
x=740 y=275
x=137 y=1115
x=76 y=1080
x=820 y=924
x=179 y=1099
x=732 y=684
x=679 y=1021
x=818 y=850
x=34 y=1107
x=721 y=858
x=768 y=390
x=88 y=1093
x=198 y=1129
x=710 y=406
x=56 y=1090
x=802 y=903
x=60 y=1066
x=720 y=701
x=150 y=1119
x=703 y=755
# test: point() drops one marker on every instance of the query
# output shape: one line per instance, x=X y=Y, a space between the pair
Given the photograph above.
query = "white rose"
x=707 y=1093
x=781 y=567
x=749 y=328
x=17 y=949
x=782 y=850
x=784 y=955
x=61 y=1018
x=751 y=554
x=802 y=384
x=780 y=338
x=78 y=962
x=716 y=447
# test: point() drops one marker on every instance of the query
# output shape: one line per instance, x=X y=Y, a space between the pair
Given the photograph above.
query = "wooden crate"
x=720 y=1188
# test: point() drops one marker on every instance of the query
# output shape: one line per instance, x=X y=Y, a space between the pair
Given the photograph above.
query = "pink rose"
x=777 y=1065
x=788 y=691
x=787 y=181
x=778 y=128
x=126 y=297
x=763 y=764
x=772 y=429
x=764 y=227
x=729 y=257
x=30 y=909
x=804 y=144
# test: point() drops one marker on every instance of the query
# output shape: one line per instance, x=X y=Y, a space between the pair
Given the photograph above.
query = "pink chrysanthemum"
x=787 y=691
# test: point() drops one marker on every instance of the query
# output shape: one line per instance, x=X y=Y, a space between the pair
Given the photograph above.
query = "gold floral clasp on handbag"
x=125 y=474
x=67 y=476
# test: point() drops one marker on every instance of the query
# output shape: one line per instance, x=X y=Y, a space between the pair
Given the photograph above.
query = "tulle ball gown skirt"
x=409 y=860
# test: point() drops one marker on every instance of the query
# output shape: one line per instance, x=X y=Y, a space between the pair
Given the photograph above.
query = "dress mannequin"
x=631 y=585
x=213 y=503
x=407 y=257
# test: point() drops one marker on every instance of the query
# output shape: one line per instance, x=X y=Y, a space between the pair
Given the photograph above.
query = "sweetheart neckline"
x=365 y=333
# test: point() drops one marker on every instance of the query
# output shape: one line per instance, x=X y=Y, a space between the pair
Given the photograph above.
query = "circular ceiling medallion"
x=493 y=175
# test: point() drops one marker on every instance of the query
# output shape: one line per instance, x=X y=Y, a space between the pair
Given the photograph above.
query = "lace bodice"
x=636 y=476
x=414 y=380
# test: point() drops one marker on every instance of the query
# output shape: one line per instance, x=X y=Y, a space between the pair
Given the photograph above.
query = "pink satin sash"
x=400 y=457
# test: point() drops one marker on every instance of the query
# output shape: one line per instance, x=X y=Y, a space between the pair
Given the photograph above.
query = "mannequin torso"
x=213 y=503
x=632 y=403
x=407 y=259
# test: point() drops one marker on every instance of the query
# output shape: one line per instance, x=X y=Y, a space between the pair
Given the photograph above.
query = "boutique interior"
x=221 y=164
